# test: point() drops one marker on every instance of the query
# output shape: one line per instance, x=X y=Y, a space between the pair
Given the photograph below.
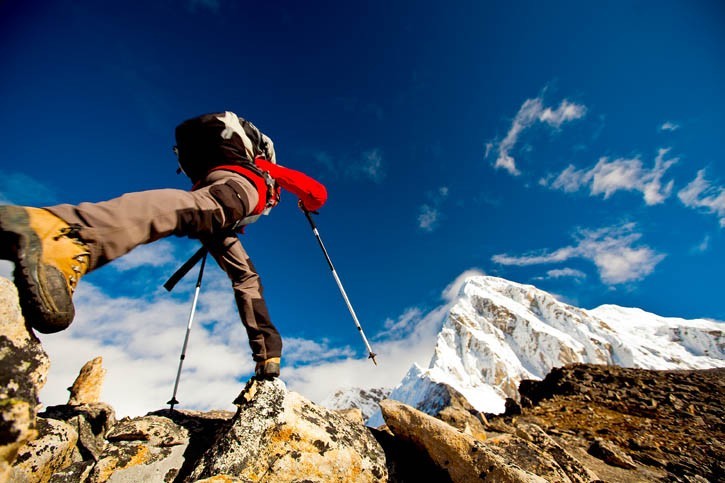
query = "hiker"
x=232 y=166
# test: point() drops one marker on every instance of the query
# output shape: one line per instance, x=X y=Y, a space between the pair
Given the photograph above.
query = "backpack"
x=210 y=140
x=220 y=139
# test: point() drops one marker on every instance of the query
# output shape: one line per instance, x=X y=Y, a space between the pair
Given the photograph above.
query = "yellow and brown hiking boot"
x=267 y=369
x=49 y=258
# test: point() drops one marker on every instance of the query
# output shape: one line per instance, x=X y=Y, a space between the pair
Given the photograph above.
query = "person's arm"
x=311 y=193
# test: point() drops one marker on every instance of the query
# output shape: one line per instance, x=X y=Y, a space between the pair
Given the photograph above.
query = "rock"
x=462 y=456
x=574 y=469
x=73 y=474
x=23 y=370
x=148 y=448
x=156 y=430
x=407 y=462
x=353 y=414
x=283 y=437
x=87 y=387
x=611 y=455
x=529 y=457
x=52 y=451
x=91 y=421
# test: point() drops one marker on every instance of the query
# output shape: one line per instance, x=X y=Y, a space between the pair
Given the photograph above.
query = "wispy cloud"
x=703 y=246
x=669 y=126
x=21 y=189
x=701 y=194
x=531 y=112
x=607 y=177
x=429 y=213
x=562 y=273
x=611 y=249
x=369 y=165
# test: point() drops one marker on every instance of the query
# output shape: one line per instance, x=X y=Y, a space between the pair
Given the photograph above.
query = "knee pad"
x=233 y=201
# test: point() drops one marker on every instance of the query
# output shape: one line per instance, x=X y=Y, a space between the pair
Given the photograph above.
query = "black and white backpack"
x=211 y=140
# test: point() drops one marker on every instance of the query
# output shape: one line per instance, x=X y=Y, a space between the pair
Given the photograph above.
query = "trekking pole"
x=203 y=254
x=371 y=354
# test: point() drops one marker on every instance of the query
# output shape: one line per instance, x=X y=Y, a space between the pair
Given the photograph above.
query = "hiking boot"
x=267 y=369
x=50 y=258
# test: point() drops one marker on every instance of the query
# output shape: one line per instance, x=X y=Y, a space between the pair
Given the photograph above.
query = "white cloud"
x=429 y=214
x=701 y=194
x=607 y=177
x=394 y=356
x=562 y=273
x=611 y=249
x=140 y=341
x=669 y=126
x=6 y=269
x=157 y=254
x=453 y=290
x=531 y=112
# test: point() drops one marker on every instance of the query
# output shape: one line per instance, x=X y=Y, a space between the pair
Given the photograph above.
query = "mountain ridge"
x=498 y=333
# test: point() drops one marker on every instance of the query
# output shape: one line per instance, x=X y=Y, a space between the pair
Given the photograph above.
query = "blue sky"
x=574 y=146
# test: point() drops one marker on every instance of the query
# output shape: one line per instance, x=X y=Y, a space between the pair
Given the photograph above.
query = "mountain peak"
x=498 y=333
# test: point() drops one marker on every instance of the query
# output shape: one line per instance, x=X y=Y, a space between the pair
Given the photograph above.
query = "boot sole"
x=44 y=299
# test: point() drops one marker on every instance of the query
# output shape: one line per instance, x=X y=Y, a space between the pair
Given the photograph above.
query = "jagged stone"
x=148 y=448
x=611 y=455
x=74 y=473
x=23 y=370
x=156 y=430
x=464 y=458
x=91 y=421
x=575 y=470
x=529 y=457
x=221 y=479
x=51 y=452
x=86 y=389
x=281 y=436
x=353 y=414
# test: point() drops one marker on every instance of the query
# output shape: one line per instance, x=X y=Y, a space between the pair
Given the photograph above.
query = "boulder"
x=53 y=450
x=86 y=389
x=91 y=422
x=575 y=470
x=23 y=370
x=282 y=437
x=148 y=448
x=611 y=454
x=465 y=458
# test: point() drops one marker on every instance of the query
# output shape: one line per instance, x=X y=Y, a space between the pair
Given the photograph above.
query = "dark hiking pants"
x=113 y=228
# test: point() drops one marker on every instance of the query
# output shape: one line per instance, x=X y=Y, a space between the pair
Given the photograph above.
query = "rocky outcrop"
x=87 y=387
x=23 y=371
x=632 y=424
x=462 y=456
x=280 y=436
x=582 y=423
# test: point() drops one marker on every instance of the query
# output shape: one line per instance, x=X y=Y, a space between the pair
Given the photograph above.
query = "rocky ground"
x=582 y=424
x=649 y=425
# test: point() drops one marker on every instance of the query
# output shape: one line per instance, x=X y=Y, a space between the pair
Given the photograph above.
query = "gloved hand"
x=303 y=208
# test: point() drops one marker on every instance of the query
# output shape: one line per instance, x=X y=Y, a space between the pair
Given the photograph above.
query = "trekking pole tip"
x=372 y=356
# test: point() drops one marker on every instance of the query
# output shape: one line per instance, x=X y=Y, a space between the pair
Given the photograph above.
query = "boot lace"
x=83 y=259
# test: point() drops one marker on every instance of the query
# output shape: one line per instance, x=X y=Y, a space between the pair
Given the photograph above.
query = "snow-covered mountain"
x=354 y=397
x=500 y=332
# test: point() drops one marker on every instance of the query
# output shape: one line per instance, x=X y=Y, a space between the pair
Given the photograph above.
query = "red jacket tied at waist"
x=311 y=193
